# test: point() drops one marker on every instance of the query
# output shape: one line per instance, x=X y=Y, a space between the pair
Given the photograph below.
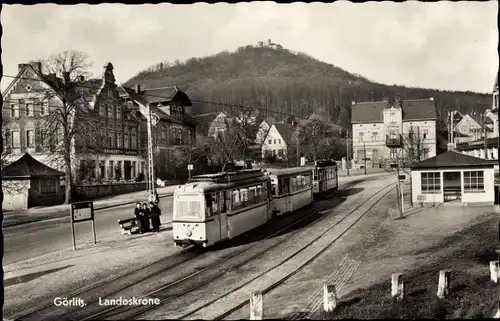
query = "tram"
x=212 y=208
x=325 y=176
x=291 y=188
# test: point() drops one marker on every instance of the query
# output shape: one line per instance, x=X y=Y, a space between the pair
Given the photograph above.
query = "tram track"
x=169 y=293
x=122 y=282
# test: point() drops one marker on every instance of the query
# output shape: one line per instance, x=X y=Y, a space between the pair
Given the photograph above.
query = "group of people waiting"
x=143 y=215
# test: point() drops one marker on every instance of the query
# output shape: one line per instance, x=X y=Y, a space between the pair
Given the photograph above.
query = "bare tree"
x=69 y=124
x=318 y=139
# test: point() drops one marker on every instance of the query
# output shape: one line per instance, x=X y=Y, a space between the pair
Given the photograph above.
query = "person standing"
x=155 y=216
x=145 y=218
x=138 y=216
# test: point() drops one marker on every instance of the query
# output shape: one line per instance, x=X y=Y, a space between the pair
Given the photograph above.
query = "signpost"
x=190 y=168
x=81 y=212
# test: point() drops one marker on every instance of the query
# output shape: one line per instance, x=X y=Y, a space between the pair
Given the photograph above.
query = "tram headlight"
x=189 y=233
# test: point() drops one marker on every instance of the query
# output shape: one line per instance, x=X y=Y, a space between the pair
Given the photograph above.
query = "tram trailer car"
x=291 y=189
x=325 y=177
x=215 y=207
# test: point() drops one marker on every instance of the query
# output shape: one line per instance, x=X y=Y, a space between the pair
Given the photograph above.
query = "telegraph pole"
x=364 y=147
x=151 y=178
x=485 y=143
x=347 y=156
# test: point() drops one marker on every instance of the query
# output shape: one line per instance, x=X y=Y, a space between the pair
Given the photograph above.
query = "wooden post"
x=256 y=306
x=444 y=283
x=329 y=298
x=494 y=271
x=397 y=289
x=73 y=230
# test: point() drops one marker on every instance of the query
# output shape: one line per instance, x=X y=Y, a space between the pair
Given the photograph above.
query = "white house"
x=277 y=141
x=453 y=177
x=218 y=125
x=379 y=128
x=263 y=129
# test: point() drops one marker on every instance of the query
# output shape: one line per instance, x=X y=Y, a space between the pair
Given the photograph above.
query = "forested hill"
x=287 y=82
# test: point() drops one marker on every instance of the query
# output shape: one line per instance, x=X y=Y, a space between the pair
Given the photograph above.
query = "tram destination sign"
x=82 y=211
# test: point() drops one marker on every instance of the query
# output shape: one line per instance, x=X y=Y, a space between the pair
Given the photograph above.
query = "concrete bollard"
x=398 y=287
x=256 y=306
x=494 y=271
x=444 y=283
x=329 y=298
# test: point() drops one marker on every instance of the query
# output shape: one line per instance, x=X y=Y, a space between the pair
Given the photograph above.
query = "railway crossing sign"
x=81 y=212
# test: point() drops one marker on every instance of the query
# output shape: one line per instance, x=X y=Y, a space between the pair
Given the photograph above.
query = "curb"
x=61 y=214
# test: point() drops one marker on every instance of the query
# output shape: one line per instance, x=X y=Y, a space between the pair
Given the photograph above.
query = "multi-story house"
x=174 y=128
x=218 y=125
x=381 y=131
x=105 y=145
x=278 y=140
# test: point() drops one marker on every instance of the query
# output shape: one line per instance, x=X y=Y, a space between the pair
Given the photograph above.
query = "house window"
x=134 y=139
x=425 y=133
x=30 y=138
x=102 y=169
x=16 y=139
x=119 y=140
x=110 y=111
x=118 y=170
x=45 y=109
x=111 y=139
x=163 y=134
x=374 y=136
x=275 y=141
x=126 y=141
x=279 y=141
x=269 y=141
x=474 y=181
x=361 y=136
x=118 y=112
x=102 y=110
x=30 y=112
x=103 y=138
x=111 y=169
x=133 y=170
x=14 y=111
x=431 y=183
x=48 y=186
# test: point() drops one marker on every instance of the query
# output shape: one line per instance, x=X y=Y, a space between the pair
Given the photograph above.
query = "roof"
x=286 y=131
x=372 y=112
x=289 y=171
x=478 y=144
x=27 y=166
x=452 y=159
x=165 y=94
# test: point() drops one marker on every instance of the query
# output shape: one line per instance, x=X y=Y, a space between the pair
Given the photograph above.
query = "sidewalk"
x=13 y=218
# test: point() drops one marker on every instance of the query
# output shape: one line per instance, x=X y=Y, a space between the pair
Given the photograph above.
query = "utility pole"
x=151 y=177
x=347 y=156
x=451 y=125
x=364 y=148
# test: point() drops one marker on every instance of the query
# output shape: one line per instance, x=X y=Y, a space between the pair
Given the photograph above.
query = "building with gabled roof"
x=279 y=139
x=175 y=128
x=380 y=129
x=453 y=177
x=105 y=144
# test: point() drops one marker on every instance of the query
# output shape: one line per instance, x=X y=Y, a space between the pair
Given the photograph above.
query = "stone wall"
x=96 y=191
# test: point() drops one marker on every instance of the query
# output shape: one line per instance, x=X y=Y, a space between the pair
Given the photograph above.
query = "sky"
x=442 y=45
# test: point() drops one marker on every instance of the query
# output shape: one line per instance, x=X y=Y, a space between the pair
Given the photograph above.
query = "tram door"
x=223 y=224
x=287 y=192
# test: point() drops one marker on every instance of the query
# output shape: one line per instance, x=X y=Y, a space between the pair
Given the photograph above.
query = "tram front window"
x=187 y=207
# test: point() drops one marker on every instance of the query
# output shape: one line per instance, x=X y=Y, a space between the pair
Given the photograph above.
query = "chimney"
x=138 y=89
x=20 y=67
x=38 y=66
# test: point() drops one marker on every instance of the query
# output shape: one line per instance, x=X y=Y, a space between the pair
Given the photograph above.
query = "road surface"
x=32 y=239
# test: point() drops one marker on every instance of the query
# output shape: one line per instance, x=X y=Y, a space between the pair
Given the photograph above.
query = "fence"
x=397 y=292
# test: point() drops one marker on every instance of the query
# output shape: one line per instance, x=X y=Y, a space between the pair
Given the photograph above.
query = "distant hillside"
x=287 y=82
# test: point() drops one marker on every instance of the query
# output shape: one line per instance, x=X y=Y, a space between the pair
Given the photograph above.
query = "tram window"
x=315 y=173
x=208 y=204
x=281 y=187
x=303 y=181
x=236 y=199
x=294 y=184
x=194 y=208
x=215 y=203
x=251 y=195
x=223 y=202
